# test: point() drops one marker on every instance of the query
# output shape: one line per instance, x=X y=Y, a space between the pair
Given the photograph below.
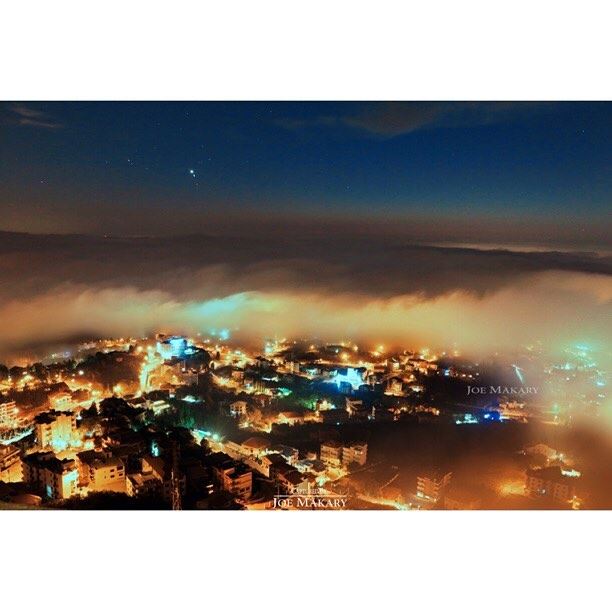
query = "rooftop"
x=553 y=474
x=256 y=442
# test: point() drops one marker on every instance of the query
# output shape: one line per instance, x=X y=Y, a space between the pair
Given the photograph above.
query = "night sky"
x=151 y=168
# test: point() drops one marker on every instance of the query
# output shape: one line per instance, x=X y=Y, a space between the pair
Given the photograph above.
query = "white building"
x=100 y=471
x=331 y=454
x=56 y=430
x=355 y=453
x=8 y=414
x=431 y=486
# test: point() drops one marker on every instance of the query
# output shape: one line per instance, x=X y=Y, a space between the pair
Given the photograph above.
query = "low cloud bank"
x=371 y=290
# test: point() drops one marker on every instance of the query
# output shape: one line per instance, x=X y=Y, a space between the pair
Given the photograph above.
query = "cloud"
x=394 y=118
x=34 y=118
x=296 y=123
x=335 y=261
x=391 y=119
x=330 y=286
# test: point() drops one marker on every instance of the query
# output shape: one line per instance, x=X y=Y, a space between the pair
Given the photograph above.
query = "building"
x=356 y=409
x=513 y=410
x=54 y=478
x=158 y=406
x=432 y=485
x=289 y=417
x=10 y=464
x=8 y=414
x=232 y=476
x=290 y=480
x=238 y=481
x=238 y=408
x=311 y=466
x=188 y=377
x=261 y=464
x=255 y=446
x=395 y=386
x=288 y=453
x=323 y=404
x=147 y=480
x=355 y=453
x=348 y=379
x=553 y=483
x=100 y=471
x=238 y=375
x=543 y=450
x=275 y=463
x=61 y=400
x=172 y=347
x=334 y=455
x=154 y=477
x=56 y=430
x=331 y=454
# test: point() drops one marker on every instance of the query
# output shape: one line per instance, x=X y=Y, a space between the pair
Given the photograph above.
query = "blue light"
x=352 y=377
x=467 y=419
x=518 y=371
x=173 y=347
x=178 y=345
x=224 y=334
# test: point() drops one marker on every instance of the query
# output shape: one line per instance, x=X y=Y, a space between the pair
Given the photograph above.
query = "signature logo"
x=501 y=390
x=311 y=499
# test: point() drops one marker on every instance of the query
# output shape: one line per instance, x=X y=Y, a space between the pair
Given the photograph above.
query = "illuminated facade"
x=172 y=347
x=233 y=476
x=432 y=486
x=238 y=408
x=10 y=464
x=8 y=414
x=61 y=401
x=54 y=478
x=100 y=471
x=255 y=446
x=355 y=453
x=351 y=377
x=331 y=454
x=56 y=430
x=552 y=483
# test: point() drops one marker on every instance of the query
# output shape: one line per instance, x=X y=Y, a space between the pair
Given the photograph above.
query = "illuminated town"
x=202 y=422
x=282 y=306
